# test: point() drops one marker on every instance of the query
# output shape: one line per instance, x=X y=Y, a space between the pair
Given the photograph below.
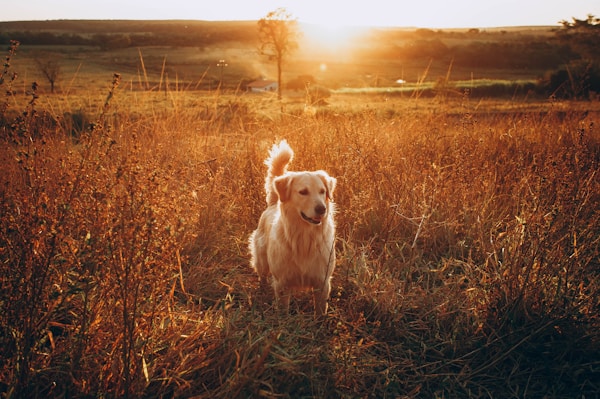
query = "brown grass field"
x=468 y=260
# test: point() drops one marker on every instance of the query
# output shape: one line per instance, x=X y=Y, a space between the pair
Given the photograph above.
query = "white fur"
x=294 y=241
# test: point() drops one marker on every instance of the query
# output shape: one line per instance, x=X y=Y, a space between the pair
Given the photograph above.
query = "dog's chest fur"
x=309 y=248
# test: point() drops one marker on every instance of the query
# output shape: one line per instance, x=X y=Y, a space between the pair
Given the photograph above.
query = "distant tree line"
x=108 y=41
x=583 y=35
x=471 y=48
x=580 y=76
x=535 y=54
x=570 y=57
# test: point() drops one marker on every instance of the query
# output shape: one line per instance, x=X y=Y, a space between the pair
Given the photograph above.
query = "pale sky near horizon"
x=419 y=13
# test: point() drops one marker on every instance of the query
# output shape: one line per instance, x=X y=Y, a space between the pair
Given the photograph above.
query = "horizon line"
x=373 y=26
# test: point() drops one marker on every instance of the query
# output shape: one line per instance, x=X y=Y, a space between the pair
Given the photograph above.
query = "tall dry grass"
x=467 y=252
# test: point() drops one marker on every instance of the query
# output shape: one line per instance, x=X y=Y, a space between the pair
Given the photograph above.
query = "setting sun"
x=331 y=36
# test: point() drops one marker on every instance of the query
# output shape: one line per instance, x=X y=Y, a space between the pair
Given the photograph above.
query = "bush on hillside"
x=577 y=80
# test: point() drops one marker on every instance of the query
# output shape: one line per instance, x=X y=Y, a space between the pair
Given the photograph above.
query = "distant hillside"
x=115 y=26
x=373 y=57
x=135 y=33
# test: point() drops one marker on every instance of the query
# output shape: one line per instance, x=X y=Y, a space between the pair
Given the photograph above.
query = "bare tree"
x=50 y=68
x=278 y=33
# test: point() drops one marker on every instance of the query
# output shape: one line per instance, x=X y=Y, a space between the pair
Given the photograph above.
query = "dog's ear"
x=329 y=182
x=282 y=186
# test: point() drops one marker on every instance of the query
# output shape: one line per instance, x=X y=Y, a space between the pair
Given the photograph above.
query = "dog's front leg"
x=320 y=300
x=320 y=297
x=283 y=296
x=284 y=303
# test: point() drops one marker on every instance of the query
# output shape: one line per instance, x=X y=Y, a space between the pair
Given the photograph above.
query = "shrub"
x=578 y=80
x=318 y=95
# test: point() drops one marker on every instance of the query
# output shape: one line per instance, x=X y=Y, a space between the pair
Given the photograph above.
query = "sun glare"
x=331 y=36
x=326 y=26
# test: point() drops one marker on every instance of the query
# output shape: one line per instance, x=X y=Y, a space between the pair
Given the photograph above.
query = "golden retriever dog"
x=294 y=241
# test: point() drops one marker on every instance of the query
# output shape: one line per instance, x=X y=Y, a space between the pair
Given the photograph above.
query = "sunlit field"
x=467 y=244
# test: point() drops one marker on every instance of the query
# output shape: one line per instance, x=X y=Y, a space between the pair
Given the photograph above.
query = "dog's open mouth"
x=316 y=220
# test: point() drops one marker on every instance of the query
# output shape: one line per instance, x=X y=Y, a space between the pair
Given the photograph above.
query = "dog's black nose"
x=320 y=209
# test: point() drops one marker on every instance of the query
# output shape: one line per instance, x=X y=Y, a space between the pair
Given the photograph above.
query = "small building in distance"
x=262 y=86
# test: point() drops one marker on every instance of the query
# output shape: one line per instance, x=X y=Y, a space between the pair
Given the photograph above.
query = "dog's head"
x=308 y=193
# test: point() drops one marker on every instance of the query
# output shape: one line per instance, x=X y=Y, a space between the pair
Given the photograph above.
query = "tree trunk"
x=279 y=57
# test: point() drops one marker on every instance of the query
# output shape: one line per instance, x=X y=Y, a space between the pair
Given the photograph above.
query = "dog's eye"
x=304 y=192
x=322 y=191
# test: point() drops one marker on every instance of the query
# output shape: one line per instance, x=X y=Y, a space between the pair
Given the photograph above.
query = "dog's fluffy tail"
x=279 y=157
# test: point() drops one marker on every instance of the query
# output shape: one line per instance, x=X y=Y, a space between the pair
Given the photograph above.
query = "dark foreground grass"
x=468 y=261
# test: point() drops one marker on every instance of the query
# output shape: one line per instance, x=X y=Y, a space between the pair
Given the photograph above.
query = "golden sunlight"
x=331 y=36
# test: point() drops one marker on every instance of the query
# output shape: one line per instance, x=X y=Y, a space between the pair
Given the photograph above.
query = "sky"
x=413 y=13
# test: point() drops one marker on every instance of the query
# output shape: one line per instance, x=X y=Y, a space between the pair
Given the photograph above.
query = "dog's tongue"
x=313 y=220
x=317 y=219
